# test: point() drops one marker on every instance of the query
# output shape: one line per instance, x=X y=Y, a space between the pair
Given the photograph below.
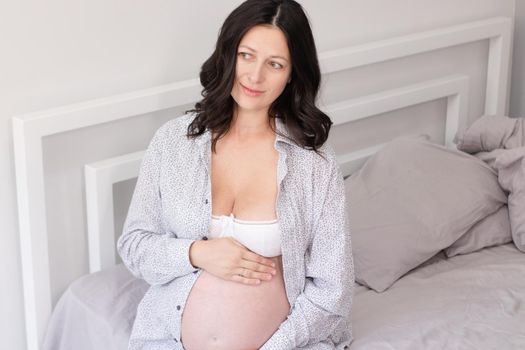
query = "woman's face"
x=263 y=68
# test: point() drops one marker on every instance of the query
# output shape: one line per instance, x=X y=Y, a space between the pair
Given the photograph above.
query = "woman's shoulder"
x=177 y=125
x=309 y=163
x=174 y=129
x=326 y=152
x=325 y=156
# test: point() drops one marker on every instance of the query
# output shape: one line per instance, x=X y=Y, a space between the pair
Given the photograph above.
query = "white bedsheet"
x=474 y=301
x=96 y=312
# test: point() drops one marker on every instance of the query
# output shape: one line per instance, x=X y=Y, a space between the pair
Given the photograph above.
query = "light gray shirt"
x=171 y=208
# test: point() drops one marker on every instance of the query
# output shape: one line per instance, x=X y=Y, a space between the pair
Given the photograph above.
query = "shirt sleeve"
x=146 y=248
x=321 y=313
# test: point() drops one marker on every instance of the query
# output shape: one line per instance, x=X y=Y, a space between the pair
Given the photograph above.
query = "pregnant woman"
x=238 y=220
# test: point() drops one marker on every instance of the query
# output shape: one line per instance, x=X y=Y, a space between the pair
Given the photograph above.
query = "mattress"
x=472 y=301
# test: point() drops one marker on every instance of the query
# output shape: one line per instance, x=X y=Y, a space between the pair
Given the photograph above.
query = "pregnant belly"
x=222 y=314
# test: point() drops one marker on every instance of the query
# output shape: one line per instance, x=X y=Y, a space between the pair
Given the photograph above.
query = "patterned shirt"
x=171 y=208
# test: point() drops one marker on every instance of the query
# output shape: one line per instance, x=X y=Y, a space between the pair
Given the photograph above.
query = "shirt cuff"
x=179 y=252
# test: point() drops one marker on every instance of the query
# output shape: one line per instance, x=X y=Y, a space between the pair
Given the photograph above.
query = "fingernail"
x=273 y=264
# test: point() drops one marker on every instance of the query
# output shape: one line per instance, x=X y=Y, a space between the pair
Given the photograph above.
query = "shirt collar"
x=279 y=126
x=283 y=129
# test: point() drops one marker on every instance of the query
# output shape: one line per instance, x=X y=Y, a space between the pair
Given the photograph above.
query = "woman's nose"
x=256 y=75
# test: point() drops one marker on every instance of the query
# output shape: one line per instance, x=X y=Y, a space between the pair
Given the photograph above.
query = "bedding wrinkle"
x=500 y=142
x=510 y=303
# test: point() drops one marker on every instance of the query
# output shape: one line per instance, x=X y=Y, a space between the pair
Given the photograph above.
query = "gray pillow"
x=410 y=200
x=492 y=230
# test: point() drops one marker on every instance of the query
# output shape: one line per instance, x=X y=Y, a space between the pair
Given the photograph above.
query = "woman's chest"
x=245 y=183
x=187 y=192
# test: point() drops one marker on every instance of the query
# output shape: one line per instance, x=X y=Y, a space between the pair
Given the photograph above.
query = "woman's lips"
x=251 y=92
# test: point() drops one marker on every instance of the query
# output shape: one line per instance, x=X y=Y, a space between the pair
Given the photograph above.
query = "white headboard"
x=30 y=129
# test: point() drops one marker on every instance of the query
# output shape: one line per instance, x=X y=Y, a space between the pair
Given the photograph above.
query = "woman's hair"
x=307 y=125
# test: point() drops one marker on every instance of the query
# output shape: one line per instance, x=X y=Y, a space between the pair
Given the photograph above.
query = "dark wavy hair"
x=307 y=125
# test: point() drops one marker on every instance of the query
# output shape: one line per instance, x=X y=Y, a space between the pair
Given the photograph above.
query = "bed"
x=472 y=301
x=444 y=299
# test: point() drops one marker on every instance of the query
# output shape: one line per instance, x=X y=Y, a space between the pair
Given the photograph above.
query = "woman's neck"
x=249 y=125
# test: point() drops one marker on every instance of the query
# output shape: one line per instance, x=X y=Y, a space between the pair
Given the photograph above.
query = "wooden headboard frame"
x=29 y=129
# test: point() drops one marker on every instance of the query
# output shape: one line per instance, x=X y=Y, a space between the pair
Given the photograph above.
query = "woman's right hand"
x=226 y=258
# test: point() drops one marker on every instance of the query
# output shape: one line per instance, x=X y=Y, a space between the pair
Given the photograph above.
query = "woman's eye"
x=244 y=54
x=277 y=65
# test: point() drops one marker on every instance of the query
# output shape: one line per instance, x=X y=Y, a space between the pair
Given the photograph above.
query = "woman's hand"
x=226 y=258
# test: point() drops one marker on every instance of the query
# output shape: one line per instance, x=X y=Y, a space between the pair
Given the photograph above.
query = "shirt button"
x=205 y=238
x=178 y=307
x=206 y=201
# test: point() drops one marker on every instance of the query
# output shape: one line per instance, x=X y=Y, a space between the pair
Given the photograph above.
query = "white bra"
x=261 y=237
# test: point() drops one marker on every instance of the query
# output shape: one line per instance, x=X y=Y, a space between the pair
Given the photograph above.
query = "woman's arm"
x=147 y=250
x=322 y=312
